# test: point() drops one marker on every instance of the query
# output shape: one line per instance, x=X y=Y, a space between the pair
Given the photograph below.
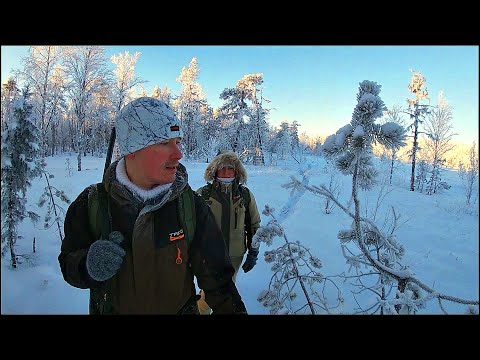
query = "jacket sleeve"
x=75 y=245
x=211 y=264
x=254 y=214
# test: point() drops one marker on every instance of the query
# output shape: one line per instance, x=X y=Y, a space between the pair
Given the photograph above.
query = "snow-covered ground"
x=439 y=233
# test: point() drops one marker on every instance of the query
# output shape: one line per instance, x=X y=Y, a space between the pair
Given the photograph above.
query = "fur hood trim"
x=222 y=160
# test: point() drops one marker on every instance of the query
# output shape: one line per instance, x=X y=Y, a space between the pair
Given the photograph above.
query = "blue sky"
x=315 y=85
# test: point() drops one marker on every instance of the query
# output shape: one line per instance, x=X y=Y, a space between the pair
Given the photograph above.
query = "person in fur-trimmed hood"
x=235 y=211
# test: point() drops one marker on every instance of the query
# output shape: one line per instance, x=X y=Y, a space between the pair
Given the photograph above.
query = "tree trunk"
x=414 y=152
x=54 y=139
x=11 y=226
x=391 y=166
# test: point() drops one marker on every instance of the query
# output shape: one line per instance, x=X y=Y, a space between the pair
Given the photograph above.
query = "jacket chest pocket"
x=169 y=234
x=238 y=215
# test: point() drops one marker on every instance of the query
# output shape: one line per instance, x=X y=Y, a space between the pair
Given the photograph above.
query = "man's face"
x=157 y=163
x=226 y=172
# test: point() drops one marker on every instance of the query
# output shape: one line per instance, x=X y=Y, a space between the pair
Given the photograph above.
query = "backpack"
x=100 y=226
x=245 y=194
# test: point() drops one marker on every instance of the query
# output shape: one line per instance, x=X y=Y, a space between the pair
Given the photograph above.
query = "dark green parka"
x=151 y=280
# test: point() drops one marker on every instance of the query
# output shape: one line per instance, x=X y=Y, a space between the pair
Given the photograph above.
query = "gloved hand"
x=251 y=260
x=105 y=257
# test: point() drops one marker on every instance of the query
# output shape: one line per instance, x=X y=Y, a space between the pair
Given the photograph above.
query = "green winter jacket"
x=151 y=280
x=229 y=209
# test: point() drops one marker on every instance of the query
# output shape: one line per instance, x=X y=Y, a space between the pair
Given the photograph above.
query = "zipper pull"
x=178 y=260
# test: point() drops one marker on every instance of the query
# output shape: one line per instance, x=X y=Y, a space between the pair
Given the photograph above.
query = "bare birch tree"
x=38 y=72
x=87 y=72
x=438 y=127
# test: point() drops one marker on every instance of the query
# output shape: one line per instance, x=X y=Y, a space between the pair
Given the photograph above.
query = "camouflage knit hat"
x=143 y=122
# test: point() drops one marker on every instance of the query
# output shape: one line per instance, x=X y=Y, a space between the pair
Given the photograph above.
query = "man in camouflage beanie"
x=147 y=260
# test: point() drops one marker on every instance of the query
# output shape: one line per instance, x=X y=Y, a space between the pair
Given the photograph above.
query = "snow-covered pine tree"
x=231 y=115
x=380 y=253
x=417 y=113
x=351 y=148
x=10 y=92
x=19 y=166
x=188 y=106
x=209 y=140
x=421 y=177
x=257 y=128
x=284 y=141
x=295 y=141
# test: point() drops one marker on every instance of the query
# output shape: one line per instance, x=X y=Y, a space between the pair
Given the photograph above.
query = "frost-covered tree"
x=99 y=124
x=10 y=92
x=318 y=145
x=294 y=139
x=351 y=148
x=58 y=107
x=38 y=72
x=283 y=141
x=379 y=250
x=258 y=127
x=122 y=90
x=188 y=106
x=469 y=173
x=164 y=94
x=333 y=186
x=421 y=177
x=393 y=115
x=417 y=113
x=438 y=127
x=123 y=85
x=232 y=116
x=143 y=92
x=87 y=71
x=19 y=166
x=48 y=197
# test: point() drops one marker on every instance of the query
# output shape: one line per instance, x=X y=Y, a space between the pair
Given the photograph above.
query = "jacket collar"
x=125 y=195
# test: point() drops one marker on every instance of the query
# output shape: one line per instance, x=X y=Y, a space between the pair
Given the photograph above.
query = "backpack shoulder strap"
x=245 y=194
x=206 y=191
x=187 y=213
x=100 y=227
x=98 y=211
